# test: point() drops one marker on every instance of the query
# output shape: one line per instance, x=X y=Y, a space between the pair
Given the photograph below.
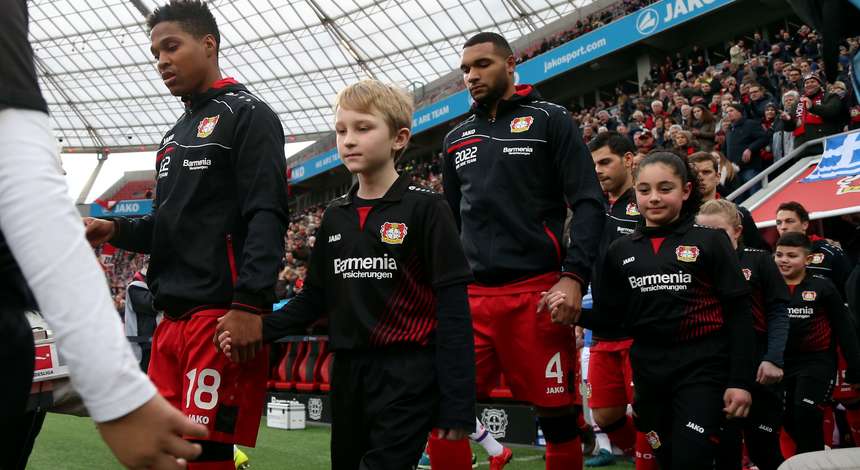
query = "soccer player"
x=827 y=259
x=389 y=273
x=44 y=259
x=770 y=320
x=611 y=378
x=706 y=165
x=511 y=170
x=678 y=289
x=818 y=319
x=215 y=234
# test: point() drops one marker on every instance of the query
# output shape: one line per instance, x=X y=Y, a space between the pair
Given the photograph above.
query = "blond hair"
x=394 y=105
x=724 y=208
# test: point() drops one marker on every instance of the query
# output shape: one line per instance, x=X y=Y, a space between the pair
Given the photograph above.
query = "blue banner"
x=841 y=158
x=129 y=208
x=619 y=34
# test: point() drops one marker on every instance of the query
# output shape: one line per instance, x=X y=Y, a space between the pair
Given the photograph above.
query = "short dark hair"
x=795 y=207
x=501 y=45
x=193 y=15
x=699 y=157
x=738 y=107
x=795 y=239
x=617 y=143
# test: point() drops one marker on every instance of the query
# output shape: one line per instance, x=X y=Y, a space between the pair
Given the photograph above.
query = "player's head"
x=373 y=123
x=666 y=188
x=722 y=214
x=792 y=254
x=707 y=171
x=791 y=217
x=488 y=66
x=184 y=41
x=613 y=161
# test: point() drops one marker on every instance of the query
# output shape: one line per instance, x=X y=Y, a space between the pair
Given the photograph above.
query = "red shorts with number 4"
x=201 y=382
x=536 y=356
x=610 y=376
x=842 y=391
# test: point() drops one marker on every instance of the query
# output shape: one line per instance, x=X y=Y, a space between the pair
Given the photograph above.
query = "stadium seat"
x=288 y=368
x=308 y=370
x=277 y=351
x=325 y=373
x=502 y=391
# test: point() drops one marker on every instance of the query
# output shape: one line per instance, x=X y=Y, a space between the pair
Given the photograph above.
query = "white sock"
x=602 y=440
x=486 y=440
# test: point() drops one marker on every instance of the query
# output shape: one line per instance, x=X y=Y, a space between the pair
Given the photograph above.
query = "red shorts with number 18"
x=536 y=356
x=201 y=382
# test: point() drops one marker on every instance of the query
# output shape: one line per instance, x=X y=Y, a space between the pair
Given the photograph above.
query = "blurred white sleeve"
x=46 y=235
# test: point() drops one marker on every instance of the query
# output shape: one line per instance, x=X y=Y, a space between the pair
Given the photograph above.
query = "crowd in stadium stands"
x=754 y=108
x=581 y=27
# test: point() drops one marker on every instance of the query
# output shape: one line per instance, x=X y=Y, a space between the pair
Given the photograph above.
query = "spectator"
x=744 y=141
x=759 y=100
x=703 y=127
x=684 y=143
x=737 y=53
x=818 y=114
x=795 y=79
x=760 y=46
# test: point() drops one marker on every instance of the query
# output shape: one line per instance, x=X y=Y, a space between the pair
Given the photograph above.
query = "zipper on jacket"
x=554 y=241
x=231 y=258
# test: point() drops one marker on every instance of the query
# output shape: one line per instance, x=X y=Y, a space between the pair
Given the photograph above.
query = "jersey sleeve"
x=776 y=300
x=843 y=328
x=451 y=184
x=442 y=252
x=613 y=294
x=725 y=268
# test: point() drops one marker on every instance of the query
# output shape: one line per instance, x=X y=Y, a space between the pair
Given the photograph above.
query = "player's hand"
x=150 y=437
x=737 y=401
x=452 y=434
x=246 y=334
x=98 y=231
x=566 y=313
x=768 y=373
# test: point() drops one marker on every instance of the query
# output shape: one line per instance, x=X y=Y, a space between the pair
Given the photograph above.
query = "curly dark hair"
x=193 y=15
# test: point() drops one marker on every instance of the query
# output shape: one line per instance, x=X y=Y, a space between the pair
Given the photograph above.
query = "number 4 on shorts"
x=553 y=368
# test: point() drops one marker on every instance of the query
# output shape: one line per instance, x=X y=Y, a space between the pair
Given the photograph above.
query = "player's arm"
x=582 y=193
x=776 y=300
x=260 y=172
x=449 y=273
x=734 y=294
x=451 y=184
x=841 y=266
x=843 y=328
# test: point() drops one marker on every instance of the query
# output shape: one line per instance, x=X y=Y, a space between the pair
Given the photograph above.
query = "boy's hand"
x=452 y=434
x=567 y=312
x=737 y=401
x=768 y=373
x=245 y=334
x=222 y=342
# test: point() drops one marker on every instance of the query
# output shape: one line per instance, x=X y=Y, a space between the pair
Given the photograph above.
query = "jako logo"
x=647 y=21
x=695 y=427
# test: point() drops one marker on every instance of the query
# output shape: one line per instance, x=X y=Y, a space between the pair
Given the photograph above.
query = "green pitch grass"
x=71 y=443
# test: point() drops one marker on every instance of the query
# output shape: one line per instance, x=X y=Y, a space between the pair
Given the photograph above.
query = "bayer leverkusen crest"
x=747 y=273
x=632 y=209
x=687 y=254
x=521 y=124
x=808 y=295
x=393 y=233
x=206 y=126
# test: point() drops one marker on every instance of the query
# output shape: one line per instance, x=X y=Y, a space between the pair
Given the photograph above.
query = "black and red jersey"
x=829 y=261
x=374 y=269
x=768 y=302
x=510 y=179
x=666 y=284
x=622 y=217
x=818 y=319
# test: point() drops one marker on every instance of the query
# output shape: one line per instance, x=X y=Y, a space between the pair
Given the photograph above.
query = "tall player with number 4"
x=511 y=171
x=215 y=235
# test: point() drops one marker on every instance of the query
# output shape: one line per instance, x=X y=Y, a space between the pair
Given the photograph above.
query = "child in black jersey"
x=818 y=318
x=770 y=321
x=678 y=289
x=388 y=272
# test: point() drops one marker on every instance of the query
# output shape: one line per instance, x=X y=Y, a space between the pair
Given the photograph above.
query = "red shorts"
x=842 y=391
x=536 y=356
x=610 y=376
x=201 y=382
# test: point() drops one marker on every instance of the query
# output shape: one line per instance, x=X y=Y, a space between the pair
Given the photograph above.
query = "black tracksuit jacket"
x=216 y=232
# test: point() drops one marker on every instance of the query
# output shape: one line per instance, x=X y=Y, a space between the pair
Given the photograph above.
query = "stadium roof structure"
x=100 y=81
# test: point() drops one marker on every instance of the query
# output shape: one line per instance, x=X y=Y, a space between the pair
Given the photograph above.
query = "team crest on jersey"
x=632 y=209
x=653 y=439
x=521 y=124
x=687 y=253
x=817 y=258
x=747 y=273
x=206 y=126
x=393 y=233
x=808 y=295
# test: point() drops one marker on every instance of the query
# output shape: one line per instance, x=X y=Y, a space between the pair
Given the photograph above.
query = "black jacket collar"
x=524 y=94
x=394 y=194
x=225 y=85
